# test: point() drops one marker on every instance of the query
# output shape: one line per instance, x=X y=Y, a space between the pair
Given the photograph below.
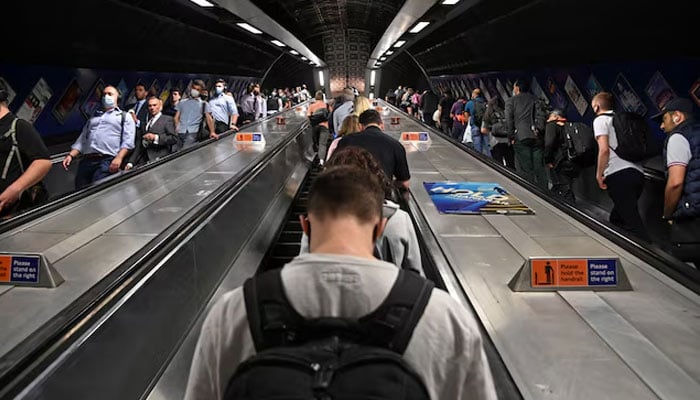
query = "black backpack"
x=479 y=111
x=635 y=141
x=329 y=358
x=580 y=144
x=272 y=104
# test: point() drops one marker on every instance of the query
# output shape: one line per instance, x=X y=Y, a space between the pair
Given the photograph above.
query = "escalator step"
x=290 y=237
x=293 y=225
x=286 y=250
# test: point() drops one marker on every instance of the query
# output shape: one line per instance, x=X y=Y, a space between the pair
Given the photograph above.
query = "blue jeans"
x=91 y=170
x=481 y=142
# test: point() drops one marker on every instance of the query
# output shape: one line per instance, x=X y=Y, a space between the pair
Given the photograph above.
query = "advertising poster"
x=485 y=90
x=659 y=91
x=627 y=97
x=92 y=101
x=491 y=85
x=593 y=87
x=123 y=90
x=165 y=94
x=6 y=87
x=131 y=98
x=558 y=100
x=35 y=102
x=695 y=92
x=501 y=90
x=537 y=91
x=67 y=102
x=154 y=90
x=474 y=198
x=575 y=95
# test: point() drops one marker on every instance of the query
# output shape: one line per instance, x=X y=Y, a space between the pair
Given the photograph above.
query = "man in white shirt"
x=340 y=278
x=623 y=180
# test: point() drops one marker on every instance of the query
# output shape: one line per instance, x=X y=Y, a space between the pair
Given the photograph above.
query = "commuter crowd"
x=523 y=134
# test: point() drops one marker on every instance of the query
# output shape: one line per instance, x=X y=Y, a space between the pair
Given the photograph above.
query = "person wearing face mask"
x=682 y=193
x=105 y=140
x=192 y=116
x=223 y=109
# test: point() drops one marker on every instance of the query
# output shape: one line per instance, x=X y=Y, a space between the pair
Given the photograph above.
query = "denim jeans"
x=481 y=142
x=91 y=170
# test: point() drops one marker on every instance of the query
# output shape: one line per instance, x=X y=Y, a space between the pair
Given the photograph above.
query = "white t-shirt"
x=445 y=349
x=678 y=151
x=603 y=126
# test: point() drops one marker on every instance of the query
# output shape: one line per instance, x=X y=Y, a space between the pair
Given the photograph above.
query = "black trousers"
x=625 y=188
x=562 y=182
x=221 y=127
x=504 y=154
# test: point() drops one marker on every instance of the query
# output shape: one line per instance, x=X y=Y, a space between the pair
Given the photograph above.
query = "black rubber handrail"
x=24 y=362
x=71 y=197
x=649 y=253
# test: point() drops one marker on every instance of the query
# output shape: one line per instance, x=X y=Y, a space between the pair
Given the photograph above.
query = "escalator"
x=287 y=241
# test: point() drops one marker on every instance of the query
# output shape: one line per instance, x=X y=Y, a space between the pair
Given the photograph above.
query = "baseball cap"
x=675 y=104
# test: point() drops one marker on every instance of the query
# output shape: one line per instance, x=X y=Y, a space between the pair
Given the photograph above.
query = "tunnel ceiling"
x=342 y=32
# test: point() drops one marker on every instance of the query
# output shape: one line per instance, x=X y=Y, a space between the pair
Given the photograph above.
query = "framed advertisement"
x=11 y=94
x=131 y=98
x=36 y=101
x=92 y=100
x=501 y=90
x=154 y=89
x=575 y=95
x=165 y=93
x=67 y=102
x=123 y=90
x=695 y=92
x=593 y=87
x=537 y=91
x=659 y=91
x=628 y=98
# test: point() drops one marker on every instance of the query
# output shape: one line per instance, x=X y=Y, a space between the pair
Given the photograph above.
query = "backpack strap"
x=12 y=133
x=272 y=320
x=392 y=324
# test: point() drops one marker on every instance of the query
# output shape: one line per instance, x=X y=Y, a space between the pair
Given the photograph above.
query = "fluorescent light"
x=278 y=43
x=304 y=58
x=377 y=64
x=450 y=2
x=296 y=53
x=419 y=27
x=390 y=52
x=249 y=28
x=371 y=95
x=320 y=78
x=399 y=43
x=372 y=77
x=202 y=3
x=382 y=59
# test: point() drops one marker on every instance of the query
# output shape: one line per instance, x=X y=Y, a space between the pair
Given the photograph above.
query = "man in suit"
x=159 y=139
x=139 y=110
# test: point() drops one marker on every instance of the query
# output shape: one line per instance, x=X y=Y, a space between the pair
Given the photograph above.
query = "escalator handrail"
x=77 y=195
x=649 y=253
x=31 y=356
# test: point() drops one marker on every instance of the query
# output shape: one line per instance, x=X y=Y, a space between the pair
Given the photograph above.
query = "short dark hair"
x=4 y=96
x=143 y=85
x=370 y=117
x=523 y=84
x=358 y=157
x=199 y=82
x=176 y=90
x=346 y=191
x=220 y=81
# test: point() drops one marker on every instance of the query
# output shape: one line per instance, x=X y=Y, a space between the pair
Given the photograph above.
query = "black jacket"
x=164 y=127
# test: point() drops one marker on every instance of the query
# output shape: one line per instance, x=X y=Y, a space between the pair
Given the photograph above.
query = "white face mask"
x=194 y=93
x=219 y=89
x=108 y=101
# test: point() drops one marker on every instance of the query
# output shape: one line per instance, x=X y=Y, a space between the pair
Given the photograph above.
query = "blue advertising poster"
x=659 y=91
x=593 y=87
x=474 y=198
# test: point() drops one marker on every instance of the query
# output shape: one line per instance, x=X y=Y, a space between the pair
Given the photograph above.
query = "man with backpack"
x=338 y=323
x=622 y=178
x=525 y=123
x=476 y=107
x=104 y=142
x=24 y=160
x=682 y=193
x=567 y=147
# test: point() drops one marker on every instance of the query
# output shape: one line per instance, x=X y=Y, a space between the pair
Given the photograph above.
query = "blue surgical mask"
x=219 y=89
x=108 y=101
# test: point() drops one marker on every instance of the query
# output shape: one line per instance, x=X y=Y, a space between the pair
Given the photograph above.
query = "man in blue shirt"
x=104 y=142
x=223 y=109
x=476 y=107
x=189 y=114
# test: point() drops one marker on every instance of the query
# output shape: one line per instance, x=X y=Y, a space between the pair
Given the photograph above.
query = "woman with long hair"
x=351 y=124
